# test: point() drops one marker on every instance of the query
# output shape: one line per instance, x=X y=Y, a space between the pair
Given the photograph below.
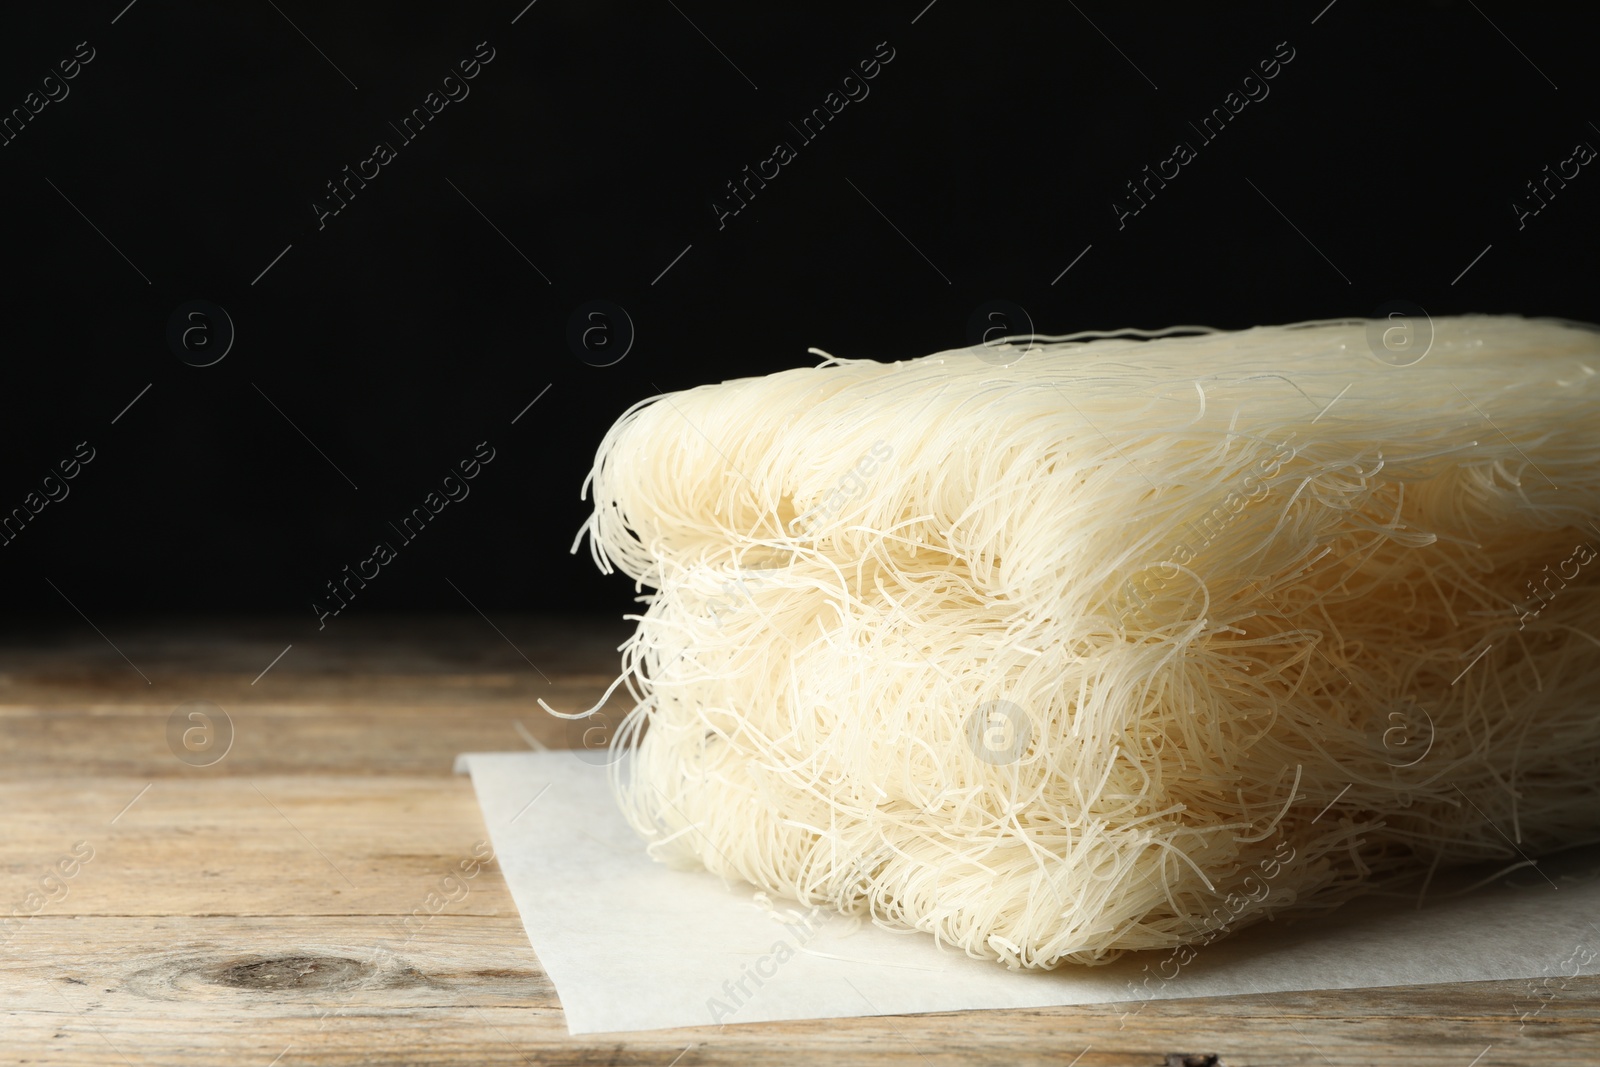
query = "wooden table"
x=249 y=912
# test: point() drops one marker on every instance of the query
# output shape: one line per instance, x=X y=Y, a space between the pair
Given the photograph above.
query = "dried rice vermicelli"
x=1121 y=641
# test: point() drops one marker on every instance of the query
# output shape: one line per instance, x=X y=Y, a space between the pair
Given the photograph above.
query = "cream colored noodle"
x=1118 y=642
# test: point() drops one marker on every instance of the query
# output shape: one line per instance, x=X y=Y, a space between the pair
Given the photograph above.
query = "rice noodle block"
x=1108 y=643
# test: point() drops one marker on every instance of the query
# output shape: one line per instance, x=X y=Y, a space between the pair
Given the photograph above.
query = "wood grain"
x=374 y=696
x=288 y=905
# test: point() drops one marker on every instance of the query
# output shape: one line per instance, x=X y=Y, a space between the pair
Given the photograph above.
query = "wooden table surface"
x=249 y=912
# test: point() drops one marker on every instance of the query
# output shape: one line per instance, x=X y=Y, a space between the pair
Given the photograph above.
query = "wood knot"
x=182 y=977
x=1193 y=1059
x=283 y=973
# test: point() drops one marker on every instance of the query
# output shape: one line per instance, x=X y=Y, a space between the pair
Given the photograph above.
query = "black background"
x=415 y=323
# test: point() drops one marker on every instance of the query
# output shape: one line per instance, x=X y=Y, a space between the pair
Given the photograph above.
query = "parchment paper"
x=634 y=945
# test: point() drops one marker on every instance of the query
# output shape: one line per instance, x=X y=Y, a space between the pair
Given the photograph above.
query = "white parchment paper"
x=633 y=945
